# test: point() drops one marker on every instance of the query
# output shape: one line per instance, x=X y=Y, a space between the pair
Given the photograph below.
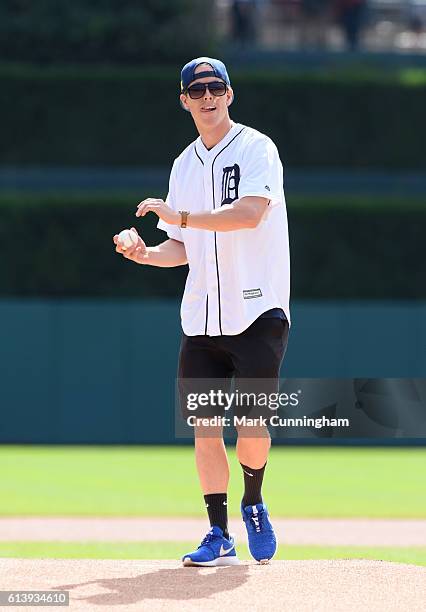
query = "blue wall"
x=91 y=371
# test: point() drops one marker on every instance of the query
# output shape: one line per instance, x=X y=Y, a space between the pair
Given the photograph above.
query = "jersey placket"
x=212 y=322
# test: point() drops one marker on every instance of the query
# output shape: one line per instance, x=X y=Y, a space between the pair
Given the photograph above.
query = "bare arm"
x=245 y=213
x=168 y=254
x=242 y=214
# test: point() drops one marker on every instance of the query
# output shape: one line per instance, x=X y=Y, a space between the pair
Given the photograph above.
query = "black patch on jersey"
x=230 y=182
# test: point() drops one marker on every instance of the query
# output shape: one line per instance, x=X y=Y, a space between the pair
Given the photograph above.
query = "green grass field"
x=175 y=550
x=162 y=481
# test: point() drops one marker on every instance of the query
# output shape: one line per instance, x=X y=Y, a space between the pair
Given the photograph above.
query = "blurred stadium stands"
x=385 y=25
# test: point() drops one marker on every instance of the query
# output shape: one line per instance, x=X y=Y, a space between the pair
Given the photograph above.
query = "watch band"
x=183 y=217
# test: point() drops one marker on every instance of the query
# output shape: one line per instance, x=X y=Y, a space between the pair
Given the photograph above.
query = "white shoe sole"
x=220 y=561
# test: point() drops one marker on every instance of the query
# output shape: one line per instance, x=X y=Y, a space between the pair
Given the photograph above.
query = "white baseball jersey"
x=234 y=276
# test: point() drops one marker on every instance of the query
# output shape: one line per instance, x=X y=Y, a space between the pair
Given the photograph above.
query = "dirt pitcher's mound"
x=164 y=585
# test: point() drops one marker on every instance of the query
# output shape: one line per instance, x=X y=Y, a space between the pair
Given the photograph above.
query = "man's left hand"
x=160 y=208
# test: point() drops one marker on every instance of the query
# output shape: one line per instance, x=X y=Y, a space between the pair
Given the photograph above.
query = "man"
x=225 y=216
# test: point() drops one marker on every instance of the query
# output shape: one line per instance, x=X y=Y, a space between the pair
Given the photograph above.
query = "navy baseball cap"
x=218 y=69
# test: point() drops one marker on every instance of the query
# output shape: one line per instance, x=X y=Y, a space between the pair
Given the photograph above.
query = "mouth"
x=208 y=109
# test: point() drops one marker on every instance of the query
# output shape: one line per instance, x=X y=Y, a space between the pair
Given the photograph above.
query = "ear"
x=229 y=96
x=183 y=103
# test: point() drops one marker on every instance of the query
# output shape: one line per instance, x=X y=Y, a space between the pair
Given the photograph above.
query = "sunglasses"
x=197 y=91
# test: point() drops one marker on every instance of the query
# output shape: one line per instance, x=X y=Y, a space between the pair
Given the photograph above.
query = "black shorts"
x=256 y=353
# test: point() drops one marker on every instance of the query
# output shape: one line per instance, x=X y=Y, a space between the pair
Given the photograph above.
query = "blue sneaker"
x=213 y=550
x=261 y=536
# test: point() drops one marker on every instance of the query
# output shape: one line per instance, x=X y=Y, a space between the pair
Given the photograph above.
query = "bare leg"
x=212 y=462
x=213 y=472
x=253 y=451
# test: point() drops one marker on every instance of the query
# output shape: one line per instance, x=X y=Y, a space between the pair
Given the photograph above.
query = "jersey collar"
x=205 y=153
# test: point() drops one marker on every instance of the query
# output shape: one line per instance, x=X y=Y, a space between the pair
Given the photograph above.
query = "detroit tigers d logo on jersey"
x=230 y=182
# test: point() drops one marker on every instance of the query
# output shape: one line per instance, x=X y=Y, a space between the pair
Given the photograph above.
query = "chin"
x=211 y=121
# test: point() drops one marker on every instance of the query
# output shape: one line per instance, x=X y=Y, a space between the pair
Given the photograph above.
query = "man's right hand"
x=135 y=253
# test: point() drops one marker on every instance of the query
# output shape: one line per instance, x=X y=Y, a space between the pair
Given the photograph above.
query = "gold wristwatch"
x=183 y=217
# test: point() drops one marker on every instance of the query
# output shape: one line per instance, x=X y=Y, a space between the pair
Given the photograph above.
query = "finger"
x=130 y=250
x=120 y=248
x=146 y=201
x=128 y=253
x=142 y=210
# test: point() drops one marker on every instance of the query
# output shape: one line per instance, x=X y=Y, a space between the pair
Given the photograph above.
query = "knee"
x=206 y=441
x=253 y=436
x=253 y=451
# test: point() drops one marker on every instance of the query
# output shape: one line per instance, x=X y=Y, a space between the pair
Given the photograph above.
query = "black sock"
x=252 y=485
x=217 y=509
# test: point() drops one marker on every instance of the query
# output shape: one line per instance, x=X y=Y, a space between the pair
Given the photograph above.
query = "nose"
x=207 y=93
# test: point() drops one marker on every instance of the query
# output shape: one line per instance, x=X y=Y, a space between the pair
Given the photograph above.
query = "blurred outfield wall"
x=103 y=371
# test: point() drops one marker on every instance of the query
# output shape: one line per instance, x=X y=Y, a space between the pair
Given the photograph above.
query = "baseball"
x=127 y=238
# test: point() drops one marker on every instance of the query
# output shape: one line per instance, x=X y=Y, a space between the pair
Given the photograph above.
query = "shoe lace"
x=207 y=540
x=257 y=519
